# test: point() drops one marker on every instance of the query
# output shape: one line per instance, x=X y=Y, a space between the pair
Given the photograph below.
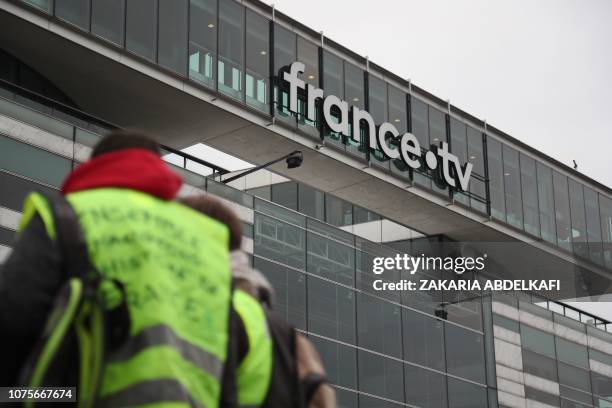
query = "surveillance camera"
x=295 y=160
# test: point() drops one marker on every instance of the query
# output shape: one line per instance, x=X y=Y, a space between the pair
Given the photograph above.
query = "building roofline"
x=422 y=92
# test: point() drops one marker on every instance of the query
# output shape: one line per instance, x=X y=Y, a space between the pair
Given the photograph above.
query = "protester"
x=284 y=372
x=168 y=265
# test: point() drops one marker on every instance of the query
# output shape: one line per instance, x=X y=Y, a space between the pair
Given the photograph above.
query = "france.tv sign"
x=409 y=147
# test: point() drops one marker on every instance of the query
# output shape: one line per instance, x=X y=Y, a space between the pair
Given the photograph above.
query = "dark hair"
x=215 y=209
x=125 y=139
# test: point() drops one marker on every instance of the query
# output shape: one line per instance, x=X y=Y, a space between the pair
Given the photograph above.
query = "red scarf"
x=135 y=169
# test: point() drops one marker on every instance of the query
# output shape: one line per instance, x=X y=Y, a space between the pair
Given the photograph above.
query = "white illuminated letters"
x=409 y=148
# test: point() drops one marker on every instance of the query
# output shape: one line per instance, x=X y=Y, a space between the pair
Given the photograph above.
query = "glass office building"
x=208 y=71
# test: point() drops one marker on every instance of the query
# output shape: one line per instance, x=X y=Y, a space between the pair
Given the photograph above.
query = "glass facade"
x=380 y=350
x=230 y=48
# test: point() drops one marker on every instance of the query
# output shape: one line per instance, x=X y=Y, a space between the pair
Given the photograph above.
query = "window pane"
x=331 y=310
x=537 y=340
x=308 y=54
x=285 y=54
x=420 y=129
x=424 y=388
x=546 y=203
x=465 y=395
x=337 y=211
x=423 y=339
x=539 y=365
x=141 y=28
x=355 y=95
x=346 y=399
x=311 y=202
x=203 y=41
x=476 y=157
x=602 y=386
x=574 y=377
x=381 y=376
x=465 y=353
x=290 y=291
x=257 y=61
x=496 y=179
x=340 y=362
x=231 y=48
x=605 y=208
x=377 y=106
x=285 y=194
x=572 y=353
x=172 y=52
x=379 y=325
x=579 y=238
x=458 y=145
x=437 y=135
x=512 y=187
x=397 y=109
x=279 y=241
x=331 y=259
x=33 y=163
x=333 y=75
x=530 y=195
x=593 y=225
x=399 y=118
x=562 y=211
x=45 y=5
x=75 y=12
x=16 y=189
x=107 y=19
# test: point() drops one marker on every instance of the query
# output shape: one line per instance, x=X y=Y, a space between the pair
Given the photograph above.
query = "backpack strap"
x=71 y=239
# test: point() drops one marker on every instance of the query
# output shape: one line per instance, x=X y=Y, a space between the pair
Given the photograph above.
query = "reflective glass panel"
x=340 y=362
x=546 y=203
x=337 y=211
x=172 y=35
x=465 y=353
x=562 y=211
x=381 y=376
x=577 y=213
x=107 y=18
x=476 y=157
x=605 y=208
x=74 y=12
x=512 y=187
x=231 y=48
x=530 y=195
x=377 y=106
x=593 y=225
x=311 y=202
x=496 y=179
x=141 y=28
x=423 y=339
x=257 y=61
x=331 y=310
x=424 y=388
x=537 y=340
x=462 y=394
x=420 y=129
x=379 y=325
x=331 y=259
x=280 y=241
x=203 y=41
x=290 y=291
